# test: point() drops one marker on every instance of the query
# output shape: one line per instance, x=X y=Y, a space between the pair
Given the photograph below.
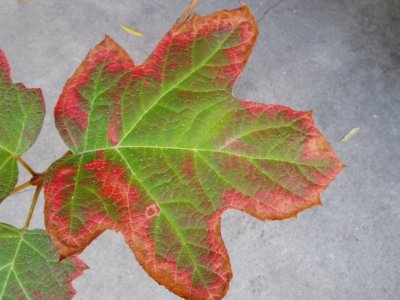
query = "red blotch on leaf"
x=112 y=133
x=188 y=167
x=4 y=64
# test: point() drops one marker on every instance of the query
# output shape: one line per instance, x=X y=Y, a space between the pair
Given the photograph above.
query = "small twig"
x=27 y=167
x=21 y=187
x=33 y=205
x=352 y=133
x=268 y=10
x=131 y=30
x=188 y=12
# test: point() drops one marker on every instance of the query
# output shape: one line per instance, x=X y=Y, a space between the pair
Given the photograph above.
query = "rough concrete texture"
x=340 y=58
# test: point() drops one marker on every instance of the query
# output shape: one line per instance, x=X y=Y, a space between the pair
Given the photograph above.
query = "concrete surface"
x=340 y=58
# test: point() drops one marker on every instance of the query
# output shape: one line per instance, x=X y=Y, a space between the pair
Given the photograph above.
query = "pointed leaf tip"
x=4 y=67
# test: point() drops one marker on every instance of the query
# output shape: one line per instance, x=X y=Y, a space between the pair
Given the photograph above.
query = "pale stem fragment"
x=188 y=12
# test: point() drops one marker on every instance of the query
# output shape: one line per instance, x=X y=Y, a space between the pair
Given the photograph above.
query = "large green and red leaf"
x=159 y=151
x=21 y=117
x=30 y=266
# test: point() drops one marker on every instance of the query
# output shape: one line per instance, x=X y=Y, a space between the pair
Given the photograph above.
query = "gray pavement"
x=340 y=58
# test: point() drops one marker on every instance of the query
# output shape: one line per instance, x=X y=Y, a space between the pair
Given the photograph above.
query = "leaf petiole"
x=188 y=12
x=33 y=205
x=21 y=187
x=27 y=167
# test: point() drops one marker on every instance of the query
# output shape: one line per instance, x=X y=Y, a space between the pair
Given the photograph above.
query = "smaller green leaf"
x=30 y=266
x=21 y=116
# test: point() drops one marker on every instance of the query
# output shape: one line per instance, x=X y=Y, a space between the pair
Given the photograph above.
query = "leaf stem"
x=21 y=187
x=27 y=167
x=188 y=12
x=33 y=205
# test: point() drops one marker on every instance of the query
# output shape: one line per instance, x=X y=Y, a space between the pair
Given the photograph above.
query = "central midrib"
x=199 y=150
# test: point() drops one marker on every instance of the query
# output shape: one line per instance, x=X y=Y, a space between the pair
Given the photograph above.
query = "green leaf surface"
x=30 y=266
x=21 y=117
x=160 y=150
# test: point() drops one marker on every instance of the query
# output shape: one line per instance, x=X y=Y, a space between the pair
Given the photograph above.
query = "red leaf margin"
x=231 y=199
x=69 y=108
x=80 y=268
x=4 y=63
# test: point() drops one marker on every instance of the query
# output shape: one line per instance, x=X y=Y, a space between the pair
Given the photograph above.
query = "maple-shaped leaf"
x=21 y=117
x=30 y=266
x=160 y=150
